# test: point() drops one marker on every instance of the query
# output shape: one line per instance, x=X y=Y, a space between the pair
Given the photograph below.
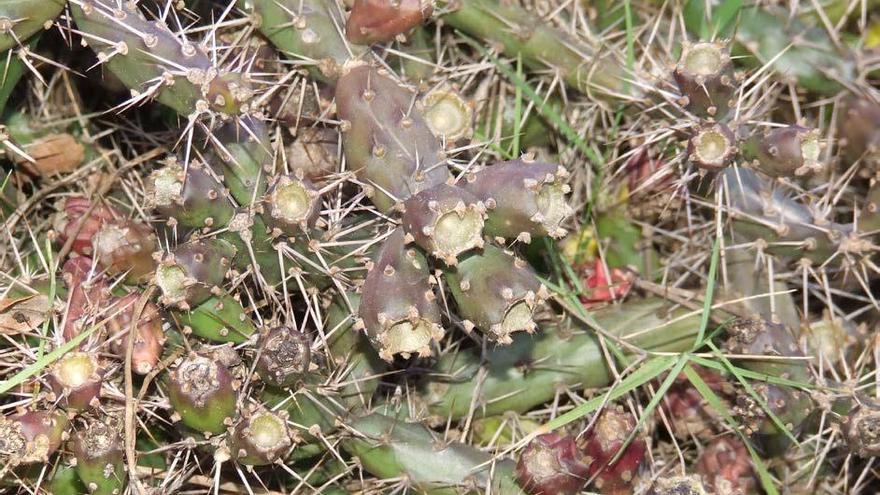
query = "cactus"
x=705 y=78
x=188 y=195
x=385 y=138
x=686 y=409
x=445 y=221
x=605 y=442
x=377 y=21
x=552 y=464
x=284 y=356
x=860 y=426
x=313 y=153
x=308 y=30
x=98 y=451
x=292 y=204
x=149 y=337
x=88 y=296
x=791 y=151
x=220 y=318
x=21 y=19
x=260 y=437
x=203 y=394
x=524 y=198
x=244 y=152
x=388 y=448
x=398 y=308
x=155 y=63
x=679 y=485
x=726 y=466
x=497 y=293
x=193 y=272
x=857 y=127
x=449 y=115
x=31 y=437
x=563 y=354
x=712 y=147
x=76 y=380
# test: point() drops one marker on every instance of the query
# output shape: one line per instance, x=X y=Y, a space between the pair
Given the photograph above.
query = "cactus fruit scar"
x=193 y=272
x=32 y=436
x=496 y=292
x=260 y=437
x=188 y=196
x=203 y=394
x=712 y=147
x=76 y=380
x=552 y=464
x=155 y=63
x=705 y=78
x=386 y=140
x=449 y=115
x=292 y=204
x=524 y=198
x=791 y=151
x=284 y=356
x=604 y=442
x=398 y=309
x=377 y=21
x=445 y=221
x=100 y=459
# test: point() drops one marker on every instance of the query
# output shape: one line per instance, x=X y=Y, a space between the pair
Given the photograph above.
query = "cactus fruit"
x=686 y=409
x=203 y=394
x=88 y=295
x=712 y=147
x=149 y=337
x=260 y=437
x=377 y=21
x=496 y=292
x=188 y=195
x=552 y=464
x=449 y=115
x=100 y=459
x=791 y=151
x=389 y=448
x=292 y=204
x=308 y=30
x=155 y=63
x=284 y=356
x=604 y=285
x=385 y=138
x=605 y=441
x=22 y=19
x=726 y=466
x=705 y=78
x=679 y=485
x=524 y=198
x=31 y=437
x=76 y=380
x=398 y=308
x=77 y=223
x=445 y=221
x=220 y=318
x=193 y=272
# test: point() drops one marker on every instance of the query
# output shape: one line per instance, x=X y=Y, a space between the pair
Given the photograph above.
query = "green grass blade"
x=710 y=292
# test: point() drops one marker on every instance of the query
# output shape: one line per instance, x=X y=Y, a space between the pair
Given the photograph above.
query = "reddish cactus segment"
x=603 y=442
x=73 y=222
x=261 y=437
x=385 y=138
x=791 y=151
x=76 y=380
x=100 y=459
x=445 y=221
x=712 y=147
x=524 y=198
x=686 y=409
x=759 y=337
x=31 y=437
x=377 y=21
x=149 y=337
x=188 y=195
x=552 y=464
x=89 y=293
x=496 y=292
x=292 y=204
x=398 y=308
x=726 y=466
x=203 y=395
x=285 y=356
x=705 y=77
x=193 y=272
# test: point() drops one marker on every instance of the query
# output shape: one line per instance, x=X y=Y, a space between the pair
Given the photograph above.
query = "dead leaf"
x=23 y=314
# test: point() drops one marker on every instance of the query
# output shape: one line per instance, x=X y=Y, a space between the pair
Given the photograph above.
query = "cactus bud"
x=31 y=437
x=712 y=147
x=377 y=21
x=551 y=464
x=524 y=198
x=726 y=466
x=76 y=379
x=149 y=336
x=100 y=460
x=191 y=197
x=284 y=356
x=202 y=393
x=192 y=272
x=603 y=442
x=445 y=221
x=397 y=302
x=704 y=75
x=293 y=204
x=261 y=437
x=791 y=151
